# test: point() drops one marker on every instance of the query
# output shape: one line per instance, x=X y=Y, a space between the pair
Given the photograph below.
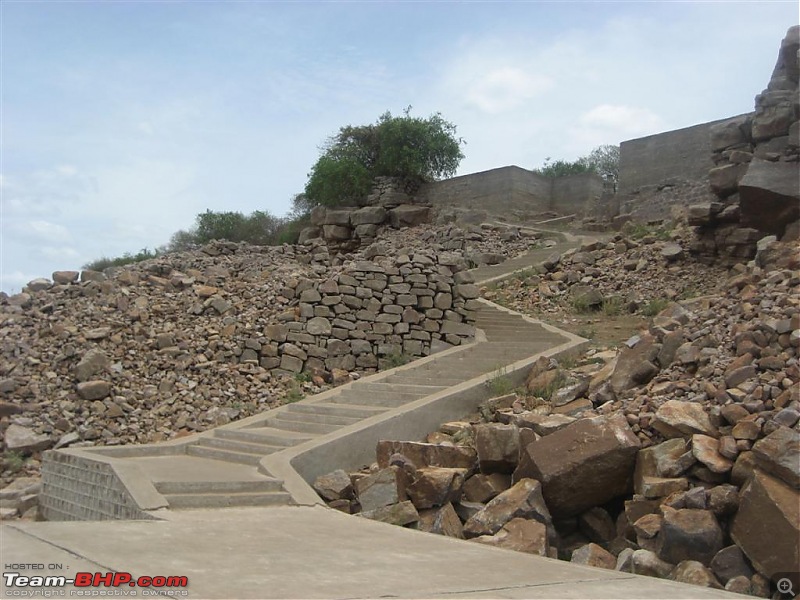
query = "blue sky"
x=123 y=120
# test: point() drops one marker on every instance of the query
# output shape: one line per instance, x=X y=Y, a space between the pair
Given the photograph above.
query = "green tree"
x=410 y=148
x=603 y=160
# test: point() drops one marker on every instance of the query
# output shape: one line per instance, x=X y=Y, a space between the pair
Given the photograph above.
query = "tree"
x=603 y=160
x=411 y=148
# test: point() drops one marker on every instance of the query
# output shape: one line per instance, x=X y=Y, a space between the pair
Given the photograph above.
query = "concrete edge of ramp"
x=315 y=552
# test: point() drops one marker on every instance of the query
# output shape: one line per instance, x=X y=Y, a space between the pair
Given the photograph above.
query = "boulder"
x=647 y=562
x=409 y=215
x=597 y=525
x=65 y=277
x=730 y=562
x=706 y=450
x=635 y=365
x=25 y=440
x=369 y=215
x=779 y=455
x=676 y=418
x=381 y=488
x=585 y=464
x=436 y=486
x=94 y=390
x=428 y=455
x=769 y=196
x=593 y=555
x=523 y=500
x=443 y=521
x=730 y=132
x=689 y=534
x=402 y=513
x=334 y=486
x=482 y=488
x=520 y=535
x=694 y=573
x=93 y=362
x=497 y=446
x=767 y=524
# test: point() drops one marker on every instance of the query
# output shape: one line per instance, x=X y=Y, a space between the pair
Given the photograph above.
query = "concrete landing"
x=313 y=552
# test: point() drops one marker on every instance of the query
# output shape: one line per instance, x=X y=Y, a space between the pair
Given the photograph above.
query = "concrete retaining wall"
x=77 y=488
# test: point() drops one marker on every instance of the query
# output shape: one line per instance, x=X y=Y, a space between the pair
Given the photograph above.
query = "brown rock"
x=482 y=488
x=779 y=455
x=436 y=486
x=381 y=488
x=523 y=500
x=403 y=513
x=597 y=525
x=706 y=450
x=429 y=455
x=730 y=562
x=723 y=500
x=94 y=390
x=442 y=521
x=767 y=525
x=93 y=362
x=24 y=440
x=583 y=465
x=635 y=366
x=689 y=534
x=520 y=535
x=675 y=418
x=769 y=197
x=593 y=555
x=647 y=562
x=498 y=447
x=334 y=486
x=694 y=573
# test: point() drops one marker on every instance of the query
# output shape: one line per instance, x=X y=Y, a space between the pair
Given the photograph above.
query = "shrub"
x=104 y=262
x=409 y=148
x=652 y=308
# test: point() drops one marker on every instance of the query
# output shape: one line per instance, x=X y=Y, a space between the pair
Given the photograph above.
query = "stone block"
x=779 y=455
x=428 y=455
x=689 y=534
x=585 y=464
x=770 y=196
x=436 y=486
x=523 y=500
x=498 y=447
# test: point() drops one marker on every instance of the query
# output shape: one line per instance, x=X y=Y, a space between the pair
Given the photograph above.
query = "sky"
x=122 y=120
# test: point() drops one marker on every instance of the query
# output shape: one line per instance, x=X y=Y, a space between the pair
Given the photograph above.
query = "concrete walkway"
x=313 y=552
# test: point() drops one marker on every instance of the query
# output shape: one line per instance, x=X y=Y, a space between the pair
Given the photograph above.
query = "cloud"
x=629 y=119
x=44 y=230
x=57 y=253
x=12 y=282
x=505 y=88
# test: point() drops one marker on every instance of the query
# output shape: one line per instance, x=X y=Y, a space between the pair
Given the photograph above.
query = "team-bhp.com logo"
x=156 y=583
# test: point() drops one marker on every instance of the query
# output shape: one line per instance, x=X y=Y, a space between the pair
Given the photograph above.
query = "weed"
x=500 y=383
x=396 y=359
x=581 y=305
x=612 y=306
x=14 y=461
x=294 y=394
x=587 y=332
x=302 y=377
x=655 y=306
x=547 y=391
x=567 y=361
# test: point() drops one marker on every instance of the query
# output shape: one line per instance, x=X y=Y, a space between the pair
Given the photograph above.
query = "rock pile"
x=192 y=340
x=676 y=457
x=756 y=173
x=623 y=274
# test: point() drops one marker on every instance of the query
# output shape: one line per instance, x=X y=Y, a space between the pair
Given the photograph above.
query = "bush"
x=409 y=148
x=603 y=160
x=126 y=259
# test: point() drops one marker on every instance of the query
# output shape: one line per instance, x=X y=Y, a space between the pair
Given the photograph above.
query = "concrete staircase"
x=225 y=467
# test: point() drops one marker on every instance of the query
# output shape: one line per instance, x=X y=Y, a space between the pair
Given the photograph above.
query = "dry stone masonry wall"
x=756 y=176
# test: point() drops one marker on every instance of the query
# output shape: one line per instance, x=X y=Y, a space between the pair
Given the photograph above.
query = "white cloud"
x=628 y=119
x=57 y=253
x=44 y=230
x=505 y=88
x=12 y=282
x=67 y=170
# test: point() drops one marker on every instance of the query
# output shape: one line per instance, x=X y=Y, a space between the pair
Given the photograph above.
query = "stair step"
x=267 y=436
x=238 y=446
x=339 y=410
x=317 y=418
x=178 y=501
x=219 y=487
x=224 y=455
x=380 y=387
x=285 y=422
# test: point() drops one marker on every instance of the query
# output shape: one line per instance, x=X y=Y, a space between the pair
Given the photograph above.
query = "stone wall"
x=655 y=159
x=512 y=190
x=374 y=309
x=77 y=489
x=669 y=199
x=755 y=177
